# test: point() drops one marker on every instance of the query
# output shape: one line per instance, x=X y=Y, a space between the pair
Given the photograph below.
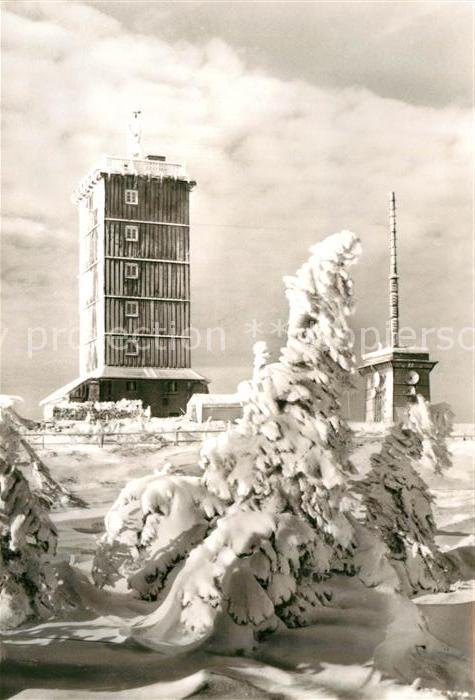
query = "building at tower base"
x=165 y=391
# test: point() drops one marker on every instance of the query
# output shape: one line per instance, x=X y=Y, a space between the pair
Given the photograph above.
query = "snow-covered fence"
x=49 y=438
x=177 y=437
x=376 y=431
x=463 y=431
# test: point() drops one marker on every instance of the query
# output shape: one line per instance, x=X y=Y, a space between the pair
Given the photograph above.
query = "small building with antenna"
x=134 y=284
x=396 y=374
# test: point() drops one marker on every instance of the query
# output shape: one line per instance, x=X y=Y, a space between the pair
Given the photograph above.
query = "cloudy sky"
x=295 y=118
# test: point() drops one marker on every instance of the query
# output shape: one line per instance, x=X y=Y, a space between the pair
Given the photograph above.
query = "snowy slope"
x=328 y=660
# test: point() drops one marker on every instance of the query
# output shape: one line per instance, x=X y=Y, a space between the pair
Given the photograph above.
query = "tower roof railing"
x=114 y=165
x=142 y=166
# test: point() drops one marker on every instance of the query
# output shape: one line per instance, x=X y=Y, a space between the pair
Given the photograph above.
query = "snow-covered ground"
x=89 y=656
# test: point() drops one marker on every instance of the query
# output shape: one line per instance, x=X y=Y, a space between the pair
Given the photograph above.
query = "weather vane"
x=134 y=135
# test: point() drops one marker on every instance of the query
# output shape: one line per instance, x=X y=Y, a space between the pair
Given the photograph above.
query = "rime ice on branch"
x=434 y=424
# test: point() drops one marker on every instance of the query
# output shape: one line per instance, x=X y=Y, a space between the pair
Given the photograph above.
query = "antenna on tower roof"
x=393 y=275
x=134 y=135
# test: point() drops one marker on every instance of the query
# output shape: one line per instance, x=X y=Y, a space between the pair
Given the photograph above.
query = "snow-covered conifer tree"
x=433 y=423
x=152 y=526
x=398 y=502
x=39 y=476
x=276 y=485
x=27 y=540
x=289 y=453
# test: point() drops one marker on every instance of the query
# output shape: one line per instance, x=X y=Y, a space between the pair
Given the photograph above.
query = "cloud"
x=418 y=52
x=279 y=164
x=23 y=233
x=31 y=275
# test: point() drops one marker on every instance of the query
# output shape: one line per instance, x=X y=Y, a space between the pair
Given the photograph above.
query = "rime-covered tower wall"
x=134 y=266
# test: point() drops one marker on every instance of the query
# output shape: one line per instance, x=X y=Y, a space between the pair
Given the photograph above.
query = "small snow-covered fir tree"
x=433 y=423
x=398 y=502
x=28 y=582
x=269 y=520
x=39 y=477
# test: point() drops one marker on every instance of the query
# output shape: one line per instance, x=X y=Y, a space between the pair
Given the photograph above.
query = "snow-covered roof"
x=391 y=350
x=394 y=353
x=216 y=399
x=126 y=373
x=62 y=391
x=150 y=373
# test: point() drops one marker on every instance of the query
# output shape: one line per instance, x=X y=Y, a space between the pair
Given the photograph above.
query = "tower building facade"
x=394 y=375
x=134 y=283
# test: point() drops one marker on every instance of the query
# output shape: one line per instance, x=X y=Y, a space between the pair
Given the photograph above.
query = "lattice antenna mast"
x=134 y=136
x=393 y=275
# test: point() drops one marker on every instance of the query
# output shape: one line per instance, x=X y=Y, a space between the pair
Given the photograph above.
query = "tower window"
x=132 y=348
x=131 y=233
x=131 y=386
x=172 y=388
x=131 y=197
x=131 y=271
x=131 y=309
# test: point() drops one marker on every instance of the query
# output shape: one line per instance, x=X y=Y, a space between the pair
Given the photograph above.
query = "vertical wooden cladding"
x=162 y=216
x=159 y=199
x=156 y=279
x=154 y=241
x=154 y=317
x=153 y=352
